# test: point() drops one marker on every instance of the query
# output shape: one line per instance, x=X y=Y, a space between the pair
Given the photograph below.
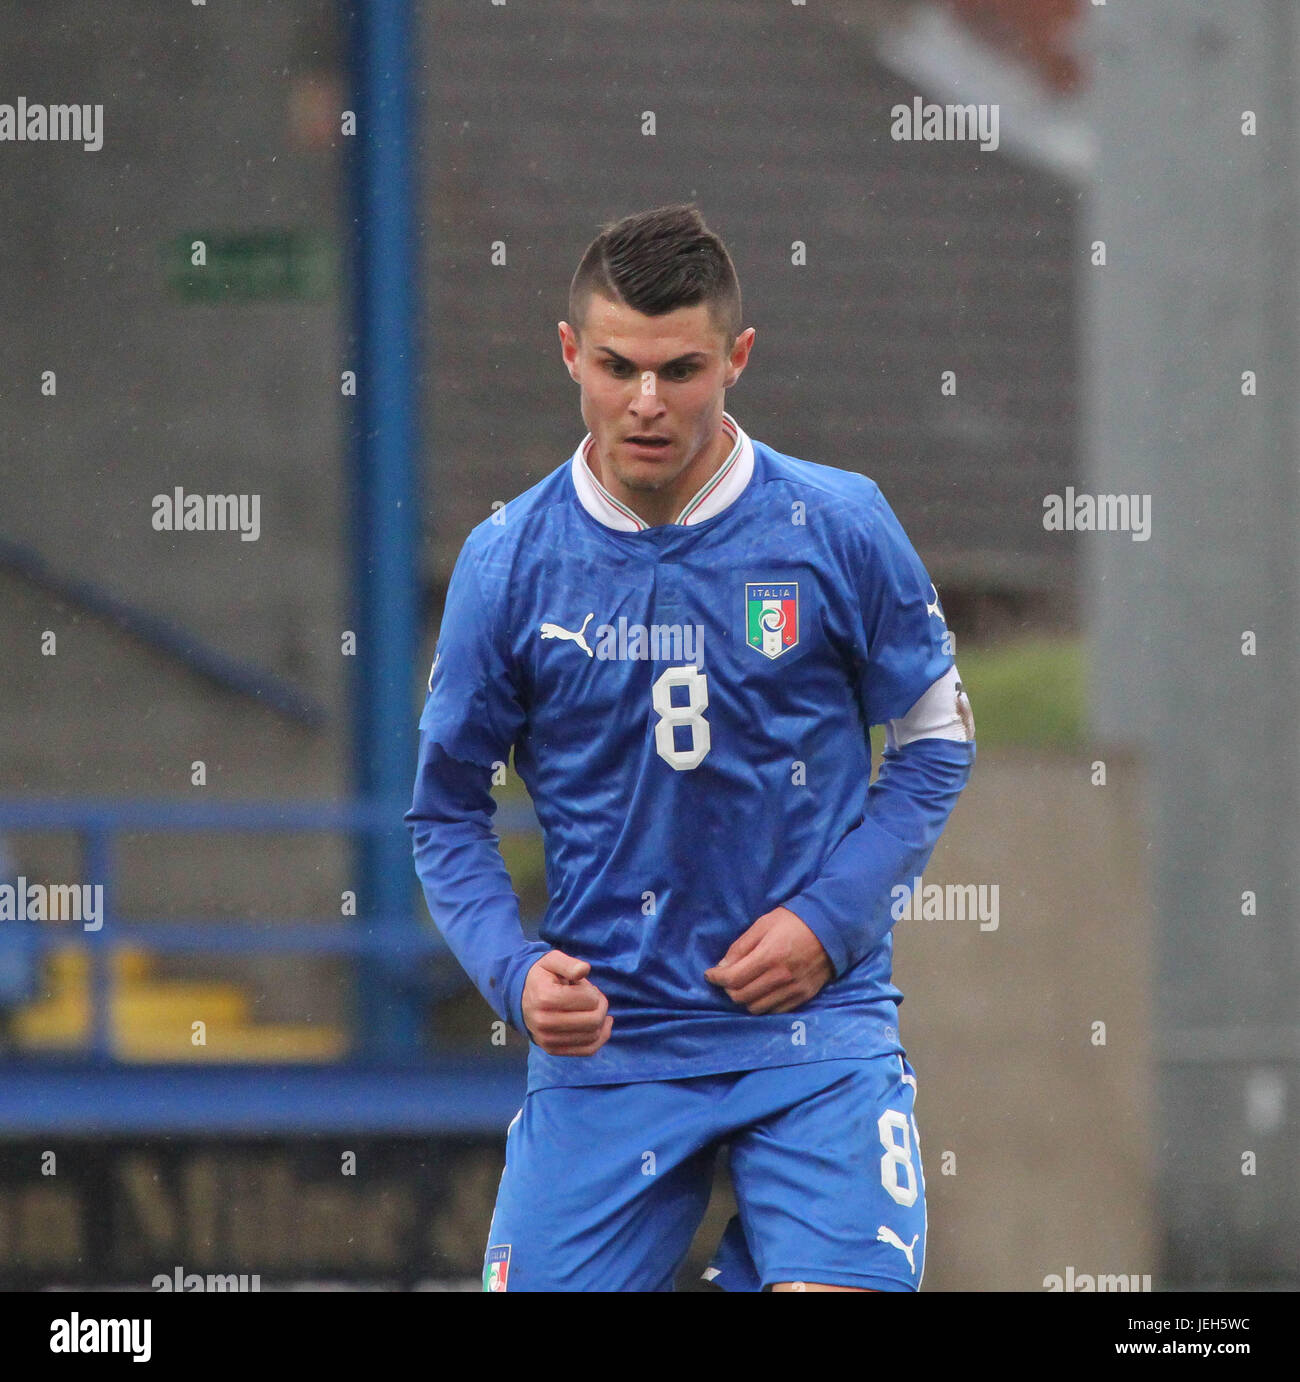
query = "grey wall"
x=1201 y=285
x=154 y=392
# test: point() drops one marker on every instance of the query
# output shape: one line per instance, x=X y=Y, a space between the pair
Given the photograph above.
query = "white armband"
x=942 y=713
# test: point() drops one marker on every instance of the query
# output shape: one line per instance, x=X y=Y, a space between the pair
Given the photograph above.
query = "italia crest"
x=496 y=1268
x=772 y=616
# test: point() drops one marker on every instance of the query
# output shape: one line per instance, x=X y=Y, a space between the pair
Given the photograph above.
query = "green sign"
x=250 y=266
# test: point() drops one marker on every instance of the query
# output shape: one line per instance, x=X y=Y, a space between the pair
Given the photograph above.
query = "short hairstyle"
x=656 y=261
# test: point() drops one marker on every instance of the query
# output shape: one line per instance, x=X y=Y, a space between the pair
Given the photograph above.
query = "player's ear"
x=744 y=344
x=568 y=348
x=738 y=356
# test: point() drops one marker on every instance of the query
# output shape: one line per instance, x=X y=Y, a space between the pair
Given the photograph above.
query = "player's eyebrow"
x=689 y=358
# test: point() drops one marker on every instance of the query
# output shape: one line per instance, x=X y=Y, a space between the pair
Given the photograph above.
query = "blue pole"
x=97 y=859
x=385 y=518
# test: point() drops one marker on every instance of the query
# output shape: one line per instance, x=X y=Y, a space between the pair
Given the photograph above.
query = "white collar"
x=722 y=488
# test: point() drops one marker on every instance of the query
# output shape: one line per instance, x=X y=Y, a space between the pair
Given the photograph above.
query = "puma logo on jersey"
x=624 y=642
x=934 y=608
x=885 y=1234
x=555 y=631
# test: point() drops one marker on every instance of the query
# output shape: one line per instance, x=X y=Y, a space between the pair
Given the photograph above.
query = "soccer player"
x=684 y=636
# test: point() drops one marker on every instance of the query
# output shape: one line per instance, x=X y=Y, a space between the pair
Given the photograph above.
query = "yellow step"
x=269 y=1042
x=179 y=1003
x=151 y=1019
x=56 y=1022
x=70 y=965
x=62 y=1025
x=65 y=1019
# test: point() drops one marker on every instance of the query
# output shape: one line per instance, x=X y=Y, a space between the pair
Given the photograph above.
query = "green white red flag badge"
x=496 y=1267
x=772 y=616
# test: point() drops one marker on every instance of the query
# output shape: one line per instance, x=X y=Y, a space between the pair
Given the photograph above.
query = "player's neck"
x=657 y=507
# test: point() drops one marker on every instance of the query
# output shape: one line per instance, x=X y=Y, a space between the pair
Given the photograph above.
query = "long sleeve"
x=470 y=719
x=848 y=908
x=906 y=680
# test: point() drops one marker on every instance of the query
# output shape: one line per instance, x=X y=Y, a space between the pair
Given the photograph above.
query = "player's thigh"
x=829 y=1184
x=603 y=1189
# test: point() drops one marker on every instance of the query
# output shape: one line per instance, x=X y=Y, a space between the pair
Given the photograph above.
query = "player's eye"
x=620 y=369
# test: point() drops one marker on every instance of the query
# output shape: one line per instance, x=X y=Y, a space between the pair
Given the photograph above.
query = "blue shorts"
x=604 y=1186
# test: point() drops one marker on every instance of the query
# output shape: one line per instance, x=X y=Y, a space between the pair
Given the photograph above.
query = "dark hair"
x=655 y=262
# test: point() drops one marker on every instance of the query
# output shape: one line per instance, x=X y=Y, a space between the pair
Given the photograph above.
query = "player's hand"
x=566 y=1013
x=775 y=966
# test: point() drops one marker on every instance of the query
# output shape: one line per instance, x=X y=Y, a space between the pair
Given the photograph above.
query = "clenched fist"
x=565 y=1012
x=775 y=966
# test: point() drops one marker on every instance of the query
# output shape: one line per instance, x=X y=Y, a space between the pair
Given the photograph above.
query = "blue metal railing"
x=391 y=936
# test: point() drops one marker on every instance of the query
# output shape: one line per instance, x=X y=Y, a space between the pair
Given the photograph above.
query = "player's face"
x=653 y=393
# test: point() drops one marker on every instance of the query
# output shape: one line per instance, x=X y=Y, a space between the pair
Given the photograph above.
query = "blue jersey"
x=688 y=706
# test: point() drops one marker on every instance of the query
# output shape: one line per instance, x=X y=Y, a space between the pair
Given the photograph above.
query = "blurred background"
x=319 y=260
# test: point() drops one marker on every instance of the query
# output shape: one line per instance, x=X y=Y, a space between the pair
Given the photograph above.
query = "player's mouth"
x=647 y=444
